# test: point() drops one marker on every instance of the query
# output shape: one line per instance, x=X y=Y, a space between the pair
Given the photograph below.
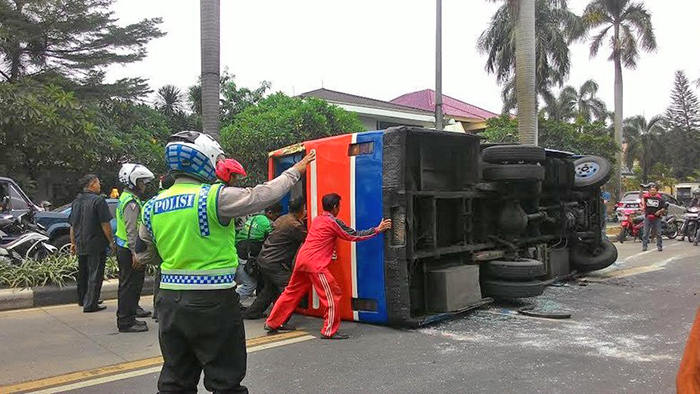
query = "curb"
x=612 y=231
x=54 y=295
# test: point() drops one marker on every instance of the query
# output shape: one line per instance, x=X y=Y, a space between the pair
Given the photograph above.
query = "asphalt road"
x=627 y=332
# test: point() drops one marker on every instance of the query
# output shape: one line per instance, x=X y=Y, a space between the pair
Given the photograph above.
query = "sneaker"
x=661 y=249
x=283 y=327
x=135 y=328
x=140 y=312
x=99 y=302
x=644 y=248
x=337 y=335
x=97 y=309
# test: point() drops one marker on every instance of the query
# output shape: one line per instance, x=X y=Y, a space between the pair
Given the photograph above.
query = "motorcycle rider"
x=229 y=171
x=134 y=178
x=190 y=225
x=653 y=207
x=694 y=202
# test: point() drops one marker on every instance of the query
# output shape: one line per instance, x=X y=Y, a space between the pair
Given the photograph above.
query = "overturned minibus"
x=471 y=221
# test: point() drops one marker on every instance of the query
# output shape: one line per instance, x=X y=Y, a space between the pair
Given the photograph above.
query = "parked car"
x=58 y=228
x=18 y=201
x=631 y=203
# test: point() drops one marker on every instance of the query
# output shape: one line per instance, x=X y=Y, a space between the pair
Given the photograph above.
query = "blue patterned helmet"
x=193 y=153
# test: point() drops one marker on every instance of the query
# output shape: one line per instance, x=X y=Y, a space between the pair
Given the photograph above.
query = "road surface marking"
x=622 y=273
x=148 y=371
x=136 y=368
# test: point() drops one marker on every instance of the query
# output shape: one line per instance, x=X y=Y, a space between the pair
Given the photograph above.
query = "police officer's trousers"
x=130 y=286
x=201 y=330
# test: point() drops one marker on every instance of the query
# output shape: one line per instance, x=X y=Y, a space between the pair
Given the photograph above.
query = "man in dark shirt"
x=654 y=207
x=277 y=256
x=90 y=235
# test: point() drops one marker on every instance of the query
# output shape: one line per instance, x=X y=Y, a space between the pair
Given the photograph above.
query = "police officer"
x=166 y=181
x=190 y=225
x=134 y=177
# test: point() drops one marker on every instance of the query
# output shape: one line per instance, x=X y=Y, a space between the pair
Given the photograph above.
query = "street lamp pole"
x=438 y=67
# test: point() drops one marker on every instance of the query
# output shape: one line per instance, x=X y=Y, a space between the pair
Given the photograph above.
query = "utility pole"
x=438 y=67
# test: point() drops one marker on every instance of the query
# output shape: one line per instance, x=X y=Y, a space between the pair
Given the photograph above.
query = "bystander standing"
x=90 y=235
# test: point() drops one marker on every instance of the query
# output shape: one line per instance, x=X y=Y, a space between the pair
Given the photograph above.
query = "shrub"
x=54 y=270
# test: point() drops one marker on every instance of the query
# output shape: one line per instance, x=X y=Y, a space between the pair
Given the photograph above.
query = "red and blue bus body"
x=350 y=165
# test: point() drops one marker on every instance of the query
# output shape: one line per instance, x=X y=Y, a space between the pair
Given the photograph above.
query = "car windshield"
x=631 y=196
x=62 y=208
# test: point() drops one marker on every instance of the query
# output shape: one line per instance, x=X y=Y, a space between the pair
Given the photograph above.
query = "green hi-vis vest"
x=198 y=252
x=126 y=197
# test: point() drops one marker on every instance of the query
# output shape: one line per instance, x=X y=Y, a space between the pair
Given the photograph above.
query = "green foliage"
x=53 y=270
x=660 y=173
x=556 y=27
x=71 y=38
x=579 y=137
x=683 y=122
x=684 y=111
x=572 y=103
x=234 y=100
x=278 y=121
x=45 y=128
x=633 y=22
x=501 y=129
x=644 y=143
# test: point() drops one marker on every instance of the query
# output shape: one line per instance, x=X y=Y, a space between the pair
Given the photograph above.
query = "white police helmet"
x=193 y=153
x=130 y=173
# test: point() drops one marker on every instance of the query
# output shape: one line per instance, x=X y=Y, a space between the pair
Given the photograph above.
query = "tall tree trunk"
x=210 y=41
x=618 y=119
x=525 y=76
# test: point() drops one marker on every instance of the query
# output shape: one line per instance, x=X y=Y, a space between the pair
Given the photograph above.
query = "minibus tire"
x=523 y=269
x=505 y=289
x=514 y=172
x=502 y=154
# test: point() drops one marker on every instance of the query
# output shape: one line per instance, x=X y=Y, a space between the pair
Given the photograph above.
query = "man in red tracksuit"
x=311 y=269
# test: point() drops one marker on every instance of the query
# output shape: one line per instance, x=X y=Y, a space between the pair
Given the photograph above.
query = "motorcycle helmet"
x=227 y=168
x=194 y=154
x=166 y=181
x=130 y=173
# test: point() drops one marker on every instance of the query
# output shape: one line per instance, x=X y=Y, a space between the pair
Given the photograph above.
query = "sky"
x=385 y=48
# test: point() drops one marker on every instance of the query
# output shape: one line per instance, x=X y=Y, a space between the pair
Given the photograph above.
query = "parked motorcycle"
x=690 y=224
x=631 y=226
x=670 y=226
x=20 y=239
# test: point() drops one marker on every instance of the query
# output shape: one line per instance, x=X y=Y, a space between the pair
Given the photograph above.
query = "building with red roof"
x=473 y=118
x=411 y=109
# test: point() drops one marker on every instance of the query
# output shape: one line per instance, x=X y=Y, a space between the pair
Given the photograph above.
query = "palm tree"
x=555 y=27
x=525 y=72
x=210 y=11
x=644 y=142
x=629 y=25
x=194 y=98
x=588 y=106
x=562 y=107
x=169 y=100
x=572 y=104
